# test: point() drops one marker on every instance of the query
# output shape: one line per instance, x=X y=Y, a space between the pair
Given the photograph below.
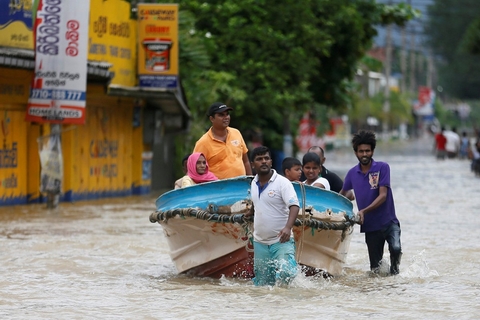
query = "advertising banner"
x=158 y=46
x=307 y=133
x=113 y=38
x=424 y=105
x=51 y=161
x=16 y=24
x=58 y=91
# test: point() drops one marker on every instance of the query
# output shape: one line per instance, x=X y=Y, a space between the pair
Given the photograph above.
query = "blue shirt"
x=367 y=188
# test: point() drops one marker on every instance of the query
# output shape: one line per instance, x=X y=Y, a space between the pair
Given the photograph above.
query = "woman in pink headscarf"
x=197 y=170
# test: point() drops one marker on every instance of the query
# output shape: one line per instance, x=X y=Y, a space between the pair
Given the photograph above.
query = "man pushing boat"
x=275 y=207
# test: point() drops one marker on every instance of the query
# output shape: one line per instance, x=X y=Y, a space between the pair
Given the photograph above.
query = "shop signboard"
x=112 y=38
x=16 y=24
x=158 y=46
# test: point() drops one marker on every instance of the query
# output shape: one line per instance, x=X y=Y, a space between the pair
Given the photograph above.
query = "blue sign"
x=15 y=10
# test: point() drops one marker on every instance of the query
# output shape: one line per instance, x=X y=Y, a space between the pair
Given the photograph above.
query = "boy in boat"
x=312 y=167
x=370 y=180
x=275 y=207
x=336 y=183
x=178 y=183
x=292 y=169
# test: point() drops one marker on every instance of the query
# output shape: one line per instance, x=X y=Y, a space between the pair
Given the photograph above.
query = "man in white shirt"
x=275 y=208
x=453 y=142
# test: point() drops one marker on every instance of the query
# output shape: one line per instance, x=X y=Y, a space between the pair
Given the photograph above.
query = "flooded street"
x=105 y=260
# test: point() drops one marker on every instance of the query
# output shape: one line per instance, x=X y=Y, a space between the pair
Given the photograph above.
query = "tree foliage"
x=400 y=109
x=282 y=58
x=448 y=24
x=273 y=60
x=471 y=39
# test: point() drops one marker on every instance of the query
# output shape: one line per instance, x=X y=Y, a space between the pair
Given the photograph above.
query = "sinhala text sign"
x=16 y=24
x=158 y=46
x=58 y=90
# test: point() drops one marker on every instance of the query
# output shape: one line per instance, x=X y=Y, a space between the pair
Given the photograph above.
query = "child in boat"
x=312 y=167
x=292 y=169
x=197 y=170
x=178 y=183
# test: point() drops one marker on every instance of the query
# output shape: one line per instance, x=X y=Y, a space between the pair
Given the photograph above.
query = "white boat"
x=208 y=235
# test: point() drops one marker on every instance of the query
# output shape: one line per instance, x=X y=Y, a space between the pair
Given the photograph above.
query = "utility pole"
x=403 y=61
x=388 y=67
x=421 y=68
x=430 y=70
x=413 y=85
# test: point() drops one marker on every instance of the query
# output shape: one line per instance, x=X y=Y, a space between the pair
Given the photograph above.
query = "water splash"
x=419 y=268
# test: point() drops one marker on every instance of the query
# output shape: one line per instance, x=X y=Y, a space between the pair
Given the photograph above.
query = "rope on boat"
x=248 y=235
x=300 y=244
x=164 y=216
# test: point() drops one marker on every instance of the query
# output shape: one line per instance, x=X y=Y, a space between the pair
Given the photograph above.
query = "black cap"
x=217 y=107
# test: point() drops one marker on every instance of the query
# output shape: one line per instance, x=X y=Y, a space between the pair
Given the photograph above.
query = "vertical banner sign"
x=158 y=46
x=58 y=90
x=16 y=24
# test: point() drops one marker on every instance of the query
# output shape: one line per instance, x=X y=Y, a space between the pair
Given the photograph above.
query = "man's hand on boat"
x=249 y=214
x=360 y=216
x=284 y=234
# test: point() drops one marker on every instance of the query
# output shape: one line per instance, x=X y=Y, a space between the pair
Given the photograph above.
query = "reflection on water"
x=104 y=259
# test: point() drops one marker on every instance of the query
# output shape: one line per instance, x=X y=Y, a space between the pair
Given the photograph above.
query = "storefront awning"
x=170 y=101
x=17 y=58
x=25 y=59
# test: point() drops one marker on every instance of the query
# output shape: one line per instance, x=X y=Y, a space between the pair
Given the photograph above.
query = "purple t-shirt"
x=366 y=187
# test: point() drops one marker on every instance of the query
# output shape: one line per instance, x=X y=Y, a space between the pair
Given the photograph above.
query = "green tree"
x=471 y=39
x=400 y=109
x=458 y=69
x=272 y=61
x=286 y=57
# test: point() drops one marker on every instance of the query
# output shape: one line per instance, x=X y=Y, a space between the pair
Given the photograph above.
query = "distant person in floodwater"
x=197 y=170
x=292 y=169
x=453 y=143
x=370 y=181
x=474 y=155
x=464 y=145
x=440 y=142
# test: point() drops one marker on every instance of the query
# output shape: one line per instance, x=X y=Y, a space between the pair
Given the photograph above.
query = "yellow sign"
x=112 y=39
x=13 y=158
x=158 y=45
x=14 y=86
x=16 y=24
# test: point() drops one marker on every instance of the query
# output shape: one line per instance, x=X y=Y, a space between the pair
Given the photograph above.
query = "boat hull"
x=212 y=248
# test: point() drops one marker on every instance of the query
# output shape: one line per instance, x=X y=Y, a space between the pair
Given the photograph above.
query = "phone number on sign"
x=57 y=94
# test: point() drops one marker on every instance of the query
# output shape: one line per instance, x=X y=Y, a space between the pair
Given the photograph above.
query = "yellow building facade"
x=109 y=156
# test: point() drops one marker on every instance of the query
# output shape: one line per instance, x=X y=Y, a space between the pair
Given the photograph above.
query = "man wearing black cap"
x=223 y=146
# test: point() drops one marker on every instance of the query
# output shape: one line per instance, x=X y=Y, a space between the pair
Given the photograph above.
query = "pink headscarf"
x=192 y=169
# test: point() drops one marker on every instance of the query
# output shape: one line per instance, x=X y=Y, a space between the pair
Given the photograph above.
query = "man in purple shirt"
x=370 y=180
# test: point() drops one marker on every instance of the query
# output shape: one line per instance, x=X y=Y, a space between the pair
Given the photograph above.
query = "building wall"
x=103 y=158
x=98 y=156
x=106 y=157
x=17 y=137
